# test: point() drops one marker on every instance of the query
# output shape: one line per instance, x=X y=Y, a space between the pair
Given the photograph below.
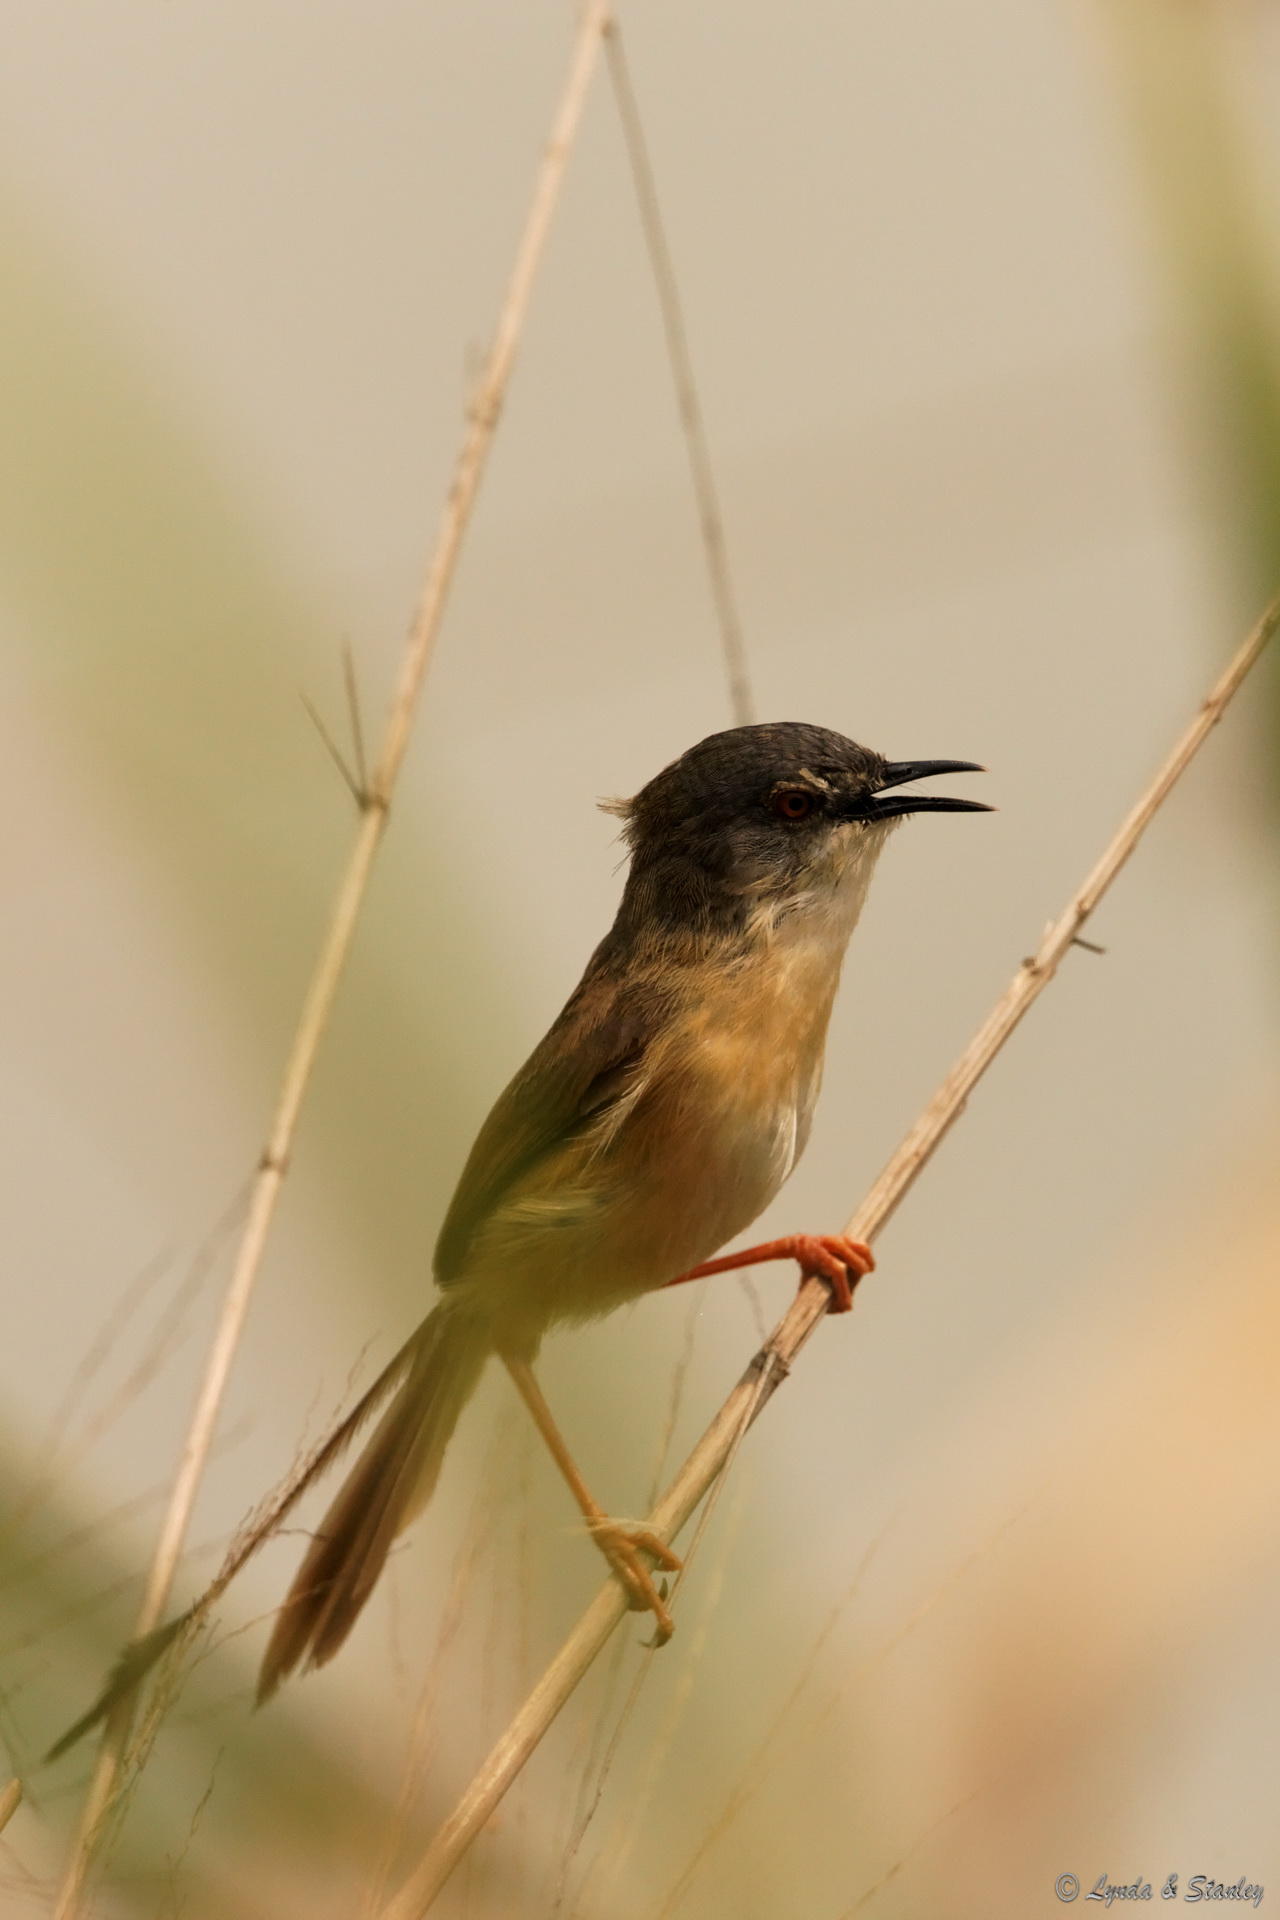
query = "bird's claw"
x=623 y=1547
x=839 y=1261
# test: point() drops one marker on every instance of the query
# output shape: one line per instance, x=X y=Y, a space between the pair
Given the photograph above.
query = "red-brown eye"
x=793 y=803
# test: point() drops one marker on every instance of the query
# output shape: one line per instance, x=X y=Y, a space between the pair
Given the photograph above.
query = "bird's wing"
x=585 y=1062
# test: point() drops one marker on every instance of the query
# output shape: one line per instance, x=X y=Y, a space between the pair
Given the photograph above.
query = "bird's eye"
x=793 y=803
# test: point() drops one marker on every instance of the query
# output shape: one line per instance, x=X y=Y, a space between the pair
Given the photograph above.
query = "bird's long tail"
x=390 y=1483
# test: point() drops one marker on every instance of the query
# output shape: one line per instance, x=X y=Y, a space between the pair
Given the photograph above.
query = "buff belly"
x=690 y=1156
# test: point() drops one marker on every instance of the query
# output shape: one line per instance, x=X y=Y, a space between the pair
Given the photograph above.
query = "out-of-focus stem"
x=483 y=415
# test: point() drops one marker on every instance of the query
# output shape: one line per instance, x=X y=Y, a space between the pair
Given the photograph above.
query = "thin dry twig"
x=710 y=519
x=593 y=1794
x=742 y=710
x=355 y=720
x=754 y=1773
x=771 y=1365
x=604 y=1741
x=890 y=1874
x=10 y=1801
x=355 y=780
x=375 y=800
x=167 y=1335
x=616 y=1850
x=755 y=1767
x=95 y=1357
x=349 y=780
x=480 y=1529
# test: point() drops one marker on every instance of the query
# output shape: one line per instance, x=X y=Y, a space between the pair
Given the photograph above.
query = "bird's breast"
x=730 y=1091
x=705 y=1128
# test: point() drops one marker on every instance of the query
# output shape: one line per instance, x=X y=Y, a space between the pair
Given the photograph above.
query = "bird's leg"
x=832 y=1257
x=622 y=1546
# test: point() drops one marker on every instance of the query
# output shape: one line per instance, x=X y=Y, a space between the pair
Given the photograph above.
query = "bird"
x=656 y=1119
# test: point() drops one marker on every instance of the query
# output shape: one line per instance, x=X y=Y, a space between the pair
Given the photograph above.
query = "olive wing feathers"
x=585 y=1062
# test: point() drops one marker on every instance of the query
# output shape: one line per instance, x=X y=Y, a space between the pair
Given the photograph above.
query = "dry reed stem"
x=710 y=519
x=483 y=414
x=771 y=1365
x=738 y=680
x=741 y=706
x=10 y=1801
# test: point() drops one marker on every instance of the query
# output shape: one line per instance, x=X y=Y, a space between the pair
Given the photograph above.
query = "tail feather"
x=391 y=1482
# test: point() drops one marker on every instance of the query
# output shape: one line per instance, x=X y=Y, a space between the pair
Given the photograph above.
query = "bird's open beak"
x=899 y=773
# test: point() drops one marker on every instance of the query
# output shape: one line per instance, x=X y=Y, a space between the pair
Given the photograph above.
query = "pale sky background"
x=252 y=257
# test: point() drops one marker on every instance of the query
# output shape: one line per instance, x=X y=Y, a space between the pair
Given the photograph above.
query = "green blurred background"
x=985 y=318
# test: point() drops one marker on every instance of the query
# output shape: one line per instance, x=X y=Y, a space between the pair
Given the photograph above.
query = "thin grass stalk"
x=10 y=1801
x=757 y=1764
x=616 y=1851
x=771 y=1365
x=741 y=702
x=375 y=800
x=742 y=709
x=754 y=1773
x=599 y=1758
x=710 y=518
x=890 y=1874
x=478 y=1542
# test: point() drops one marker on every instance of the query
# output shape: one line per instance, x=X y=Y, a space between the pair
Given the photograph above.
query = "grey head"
x=766 y=811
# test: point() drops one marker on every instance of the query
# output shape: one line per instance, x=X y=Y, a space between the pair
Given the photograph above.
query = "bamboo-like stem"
x=1035 y=973
x=10 y=1801
x=771 y=1365
x=710 y=519
x=483 y=415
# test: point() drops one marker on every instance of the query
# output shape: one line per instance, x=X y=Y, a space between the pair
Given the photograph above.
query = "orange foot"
x=622 y=1546
x=832 y=1257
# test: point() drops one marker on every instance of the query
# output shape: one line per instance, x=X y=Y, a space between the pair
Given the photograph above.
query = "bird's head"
x=768 y=816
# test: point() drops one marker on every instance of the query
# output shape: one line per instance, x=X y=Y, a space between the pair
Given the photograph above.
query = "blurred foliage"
x=170 y=644
x=166 y=646
x=66 y=1603
x=1201 y=131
